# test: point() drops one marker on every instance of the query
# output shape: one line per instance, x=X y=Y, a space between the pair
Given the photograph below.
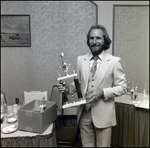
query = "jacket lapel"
x=101 y=71
x=86 y=69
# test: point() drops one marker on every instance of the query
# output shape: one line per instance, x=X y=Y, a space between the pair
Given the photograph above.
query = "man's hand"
x=94 y=95
x=63 y=86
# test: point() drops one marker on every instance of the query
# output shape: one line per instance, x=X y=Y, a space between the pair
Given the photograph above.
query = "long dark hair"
x=106 y=36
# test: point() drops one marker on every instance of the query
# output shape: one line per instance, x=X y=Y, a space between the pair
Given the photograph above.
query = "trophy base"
x=73 y=104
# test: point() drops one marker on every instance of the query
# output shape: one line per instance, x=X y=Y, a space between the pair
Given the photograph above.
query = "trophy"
x=69 y=99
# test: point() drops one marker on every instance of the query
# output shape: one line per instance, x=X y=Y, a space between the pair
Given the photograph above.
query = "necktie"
x=93 y=70
x=94 y=66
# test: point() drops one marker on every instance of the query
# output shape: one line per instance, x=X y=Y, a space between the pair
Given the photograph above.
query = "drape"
x=132 y=129
x=34 y=141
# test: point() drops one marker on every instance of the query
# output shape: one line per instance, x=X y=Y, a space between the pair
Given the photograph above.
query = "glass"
x=144 y=91
x=9 y=112
x=128 y=86
x=4 y=106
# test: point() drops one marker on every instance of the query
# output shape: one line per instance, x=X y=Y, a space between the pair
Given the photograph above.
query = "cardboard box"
x=34 y=95
x=35 y=121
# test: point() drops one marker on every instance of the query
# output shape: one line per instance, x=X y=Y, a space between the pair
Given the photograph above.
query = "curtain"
x=35 y=141
x=132 y=129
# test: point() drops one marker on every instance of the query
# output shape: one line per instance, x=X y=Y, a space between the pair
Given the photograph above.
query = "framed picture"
x=15 y=31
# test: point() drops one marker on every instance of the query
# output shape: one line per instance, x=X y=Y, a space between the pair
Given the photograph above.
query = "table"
x=132 y=128
x=29 y=139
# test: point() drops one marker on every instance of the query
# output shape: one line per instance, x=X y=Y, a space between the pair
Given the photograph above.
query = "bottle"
x=132 y=91
x=17 y=102
x=136 y=93
x=16 y=107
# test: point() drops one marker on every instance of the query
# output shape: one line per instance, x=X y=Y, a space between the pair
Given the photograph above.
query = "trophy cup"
x=67 y=101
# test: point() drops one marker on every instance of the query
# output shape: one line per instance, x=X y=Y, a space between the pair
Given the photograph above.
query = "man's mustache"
x=95 y=45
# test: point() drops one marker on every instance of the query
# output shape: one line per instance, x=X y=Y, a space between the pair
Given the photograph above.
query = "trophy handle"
x=78 y=88
x=64 y=94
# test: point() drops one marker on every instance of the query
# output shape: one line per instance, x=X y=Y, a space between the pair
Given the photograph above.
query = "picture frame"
x=15 y=30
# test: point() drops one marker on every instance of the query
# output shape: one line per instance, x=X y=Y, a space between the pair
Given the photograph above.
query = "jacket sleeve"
x=120 y=84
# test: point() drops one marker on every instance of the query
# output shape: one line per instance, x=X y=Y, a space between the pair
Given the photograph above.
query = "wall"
x=56 y=26
x=137 y=72
x=105 y=13
x=131 y=42
x=31 y=68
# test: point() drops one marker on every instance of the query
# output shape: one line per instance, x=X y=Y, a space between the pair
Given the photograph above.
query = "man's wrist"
x=103 y=96
x=102 y=93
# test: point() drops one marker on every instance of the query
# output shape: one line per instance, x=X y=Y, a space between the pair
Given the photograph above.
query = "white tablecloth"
x=20 y=133
x=142 y=102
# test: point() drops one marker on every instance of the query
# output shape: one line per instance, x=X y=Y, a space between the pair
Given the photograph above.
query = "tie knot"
x=95 y=58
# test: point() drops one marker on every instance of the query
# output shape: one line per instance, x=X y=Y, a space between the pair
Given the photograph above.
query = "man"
x=97 y=117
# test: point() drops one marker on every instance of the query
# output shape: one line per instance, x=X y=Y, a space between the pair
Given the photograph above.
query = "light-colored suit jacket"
x=111 y=78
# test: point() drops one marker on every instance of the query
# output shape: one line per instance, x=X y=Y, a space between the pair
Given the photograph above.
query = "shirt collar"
x=100 y=55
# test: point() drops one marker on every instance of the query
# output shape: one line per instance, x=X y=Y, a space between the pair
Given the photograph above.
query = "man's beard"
x=97 y=51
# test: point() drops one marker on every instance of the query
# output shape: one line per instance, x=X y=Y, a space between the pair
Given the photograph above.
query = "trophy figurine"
x=67 y=101
x=65 y=67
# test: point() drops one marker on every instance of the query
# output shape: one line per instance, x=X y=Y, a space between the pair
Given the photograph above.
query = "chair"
x=3 y=102
x=34 y=95
x=66 y=136
x=56 y=96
